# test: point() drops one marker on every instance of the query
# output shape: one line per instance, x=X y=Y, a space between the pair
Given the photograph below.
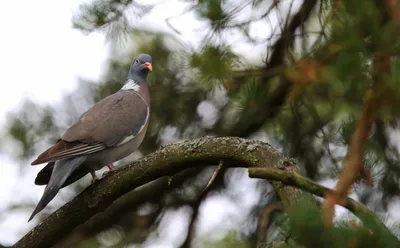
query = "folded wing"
x=108 y=123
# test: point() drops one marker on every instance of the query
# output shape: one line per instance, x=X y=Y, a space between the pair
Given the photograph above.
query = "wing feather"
x=43 y=177
x=62 y=150
x=108 y=123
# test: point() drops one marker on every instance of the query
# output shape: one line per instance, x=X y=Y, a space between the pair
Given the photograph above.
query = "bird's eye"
x=136 y=61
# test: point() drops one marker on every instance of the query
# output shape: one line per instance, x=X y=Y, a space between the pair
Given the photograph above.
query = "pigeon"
x=110 y=130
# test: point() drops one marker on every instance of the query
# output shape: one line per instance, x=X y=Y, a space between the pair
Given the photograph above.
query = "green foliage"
x=211 y=9
x=230 y=240
x=306 y=99
x=307 y=229
x=31 y=124
x=101 y=13
x=214 y=64
x=21 y=132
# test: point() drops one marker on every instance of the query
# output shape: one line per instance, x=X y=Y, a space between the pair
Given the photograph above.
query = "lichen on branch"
x=169 y=160
x=234 y=152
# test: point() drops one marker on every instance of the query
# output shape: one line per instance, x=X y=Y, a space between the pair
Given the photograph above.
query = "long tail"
x=61 y=171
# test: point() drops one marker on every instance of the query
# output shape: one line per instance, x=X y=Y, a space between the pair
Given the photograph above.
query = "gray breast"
x=110 y=155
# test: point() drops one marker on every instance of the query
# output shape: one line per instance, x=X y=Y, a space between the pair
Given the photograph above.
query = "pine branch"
x=353 y=163
x=233 y=152
x=298 y=181
x=271 y=105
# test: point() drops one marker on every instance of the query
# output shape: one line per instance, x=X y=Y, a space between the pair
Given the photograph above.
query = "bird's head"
x=140 y=67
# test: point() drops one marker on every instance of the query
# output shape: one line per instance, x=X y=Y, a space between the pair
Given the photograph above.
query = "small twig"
x=214 y=175
x=274 y=190
x=264 y=221
x=196 y=206
x=353 y=163
x=167 y=20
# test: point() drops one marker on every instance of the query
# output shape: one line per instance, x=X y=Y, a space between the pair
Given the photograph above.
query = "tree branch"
x=196 y=206
x=353 y=163
x=374 y=97
x=298 y=181
x=393 y=7
x=150 y=192
x=234 y=152
x=264 y=221
x=271 y=105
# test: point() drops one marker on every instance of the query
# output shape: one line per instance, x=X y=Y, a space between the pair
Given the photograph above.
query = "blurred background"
x=288 y=72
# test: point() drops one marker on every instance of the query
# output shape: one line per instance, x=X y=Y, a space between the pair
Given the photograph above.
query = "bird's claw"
x=111 y=168
x=94 y=177
x=94 y=180
x=106 y=173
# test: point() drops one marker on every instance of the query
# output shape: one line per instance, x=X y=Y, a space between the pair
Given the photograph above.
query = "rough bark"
x=234 y=152
x=153 y=192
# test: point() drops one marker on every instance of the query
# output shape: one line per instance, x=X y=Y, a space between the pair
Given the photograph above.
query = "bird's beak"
x=148 y=66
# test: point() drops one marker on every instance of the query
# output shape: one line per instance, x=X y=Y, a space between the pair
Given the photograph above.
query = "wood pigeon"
x=110 y=130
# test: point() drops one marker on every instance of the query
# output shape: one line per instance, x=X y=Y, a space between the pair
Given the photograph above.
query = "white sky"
x=40 y=54
x=41 y=57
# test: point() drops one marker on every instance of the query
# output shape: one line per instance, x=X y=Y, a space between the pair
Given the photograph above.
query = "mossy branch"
x=298 y=181
x=234 y=152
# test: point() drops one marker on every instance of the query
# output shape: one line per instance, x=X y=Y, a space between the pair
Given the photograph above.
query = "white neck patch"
x=131 y=85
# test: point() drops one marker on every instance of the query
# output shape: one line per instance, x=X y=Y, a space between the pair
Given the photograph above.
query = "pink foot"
x=94 y=176
x=111 y=167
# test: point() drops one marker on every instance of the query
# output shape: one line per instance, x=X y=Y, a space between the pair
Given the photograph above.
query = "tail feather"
x=61 y=171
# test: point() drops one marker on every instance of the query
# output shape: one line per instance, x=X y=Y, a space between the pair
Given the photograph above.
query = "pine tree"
x=322 y=88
